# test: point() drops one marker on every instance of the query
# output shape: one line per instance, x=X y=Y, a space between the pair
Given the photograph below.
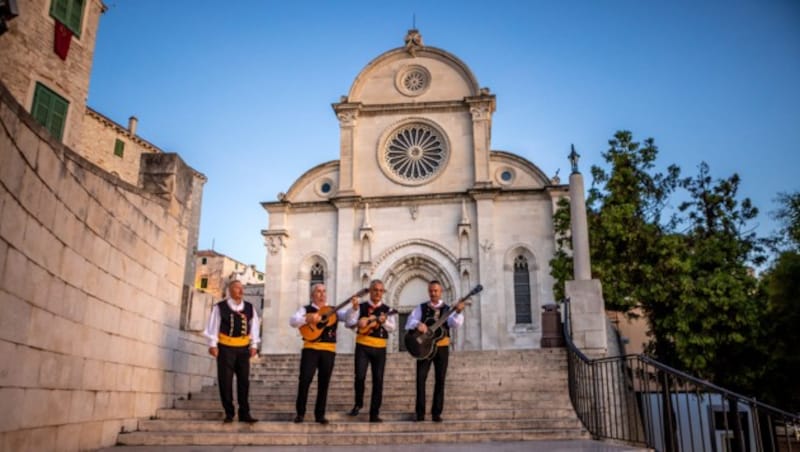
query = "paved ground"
x=525 y=446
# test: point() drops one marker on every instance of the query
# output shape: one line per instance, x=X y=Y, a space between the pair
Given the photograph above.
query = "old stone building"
x=214 y=270
x=416 y=194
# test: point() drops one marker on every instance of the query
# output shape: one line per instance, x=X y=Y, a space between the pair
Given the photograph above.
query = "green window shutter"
x=50 y=110
x=69 y=13
x=119 y=148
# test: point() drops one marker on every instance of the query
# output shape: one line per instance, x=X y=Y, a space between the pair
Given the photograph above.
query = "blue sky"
x=242 y=89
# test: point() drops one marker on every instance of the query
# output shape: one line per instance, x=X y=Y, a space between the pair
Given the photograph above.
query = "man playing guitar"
x=420 y=317
x=375 y=322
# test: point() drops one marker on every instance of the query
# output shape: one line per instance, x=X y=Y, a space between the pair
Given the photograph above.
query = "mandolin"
x=374 y=323
x=423 y=345
x=328 y=317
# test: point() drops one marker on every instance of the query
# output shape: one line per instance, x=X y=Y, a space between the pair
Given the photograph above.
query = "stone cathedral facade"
x=416 y=194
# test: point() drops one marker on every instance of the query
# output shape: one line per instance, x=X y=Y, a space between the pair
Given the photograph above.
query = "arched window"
x=522 y=290
x=317 y=274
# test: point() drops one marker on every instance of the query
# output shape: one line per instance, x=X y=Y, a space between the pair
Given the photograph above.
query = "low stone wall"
x=91 y=278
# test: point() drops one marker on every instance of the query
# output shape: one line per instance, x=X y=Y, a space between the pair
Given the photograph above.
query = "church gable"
x=317 y=184
x=511 y=171
x=413 y=74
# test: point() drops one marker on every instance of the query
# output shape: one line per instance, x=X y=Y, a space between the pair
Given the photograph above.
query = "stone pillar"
x=485 y=315
x=481 y=107
x=348 y=119
x=585 y=294
x=279 y=298
x=580 y=229
x=347 y=254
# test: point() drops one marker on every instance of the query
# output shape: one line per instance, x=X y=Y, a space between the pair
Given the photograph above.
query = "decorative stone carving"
x=487 y=245
x=274 y=243
x=481 y=113
x=414 y=211
x=413 y=41
x=347 y=118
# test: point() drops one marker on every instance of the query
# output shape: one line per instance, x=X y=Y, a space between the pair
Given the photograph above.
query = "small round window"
x=324 y=187
x=413 y=80
x=505 y=176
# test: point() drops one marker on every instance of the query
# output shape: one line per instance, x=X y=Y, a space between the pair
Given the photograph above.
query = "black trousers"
x=376 y=359
x=234 y=361
x=310 y=362
x=439 y=361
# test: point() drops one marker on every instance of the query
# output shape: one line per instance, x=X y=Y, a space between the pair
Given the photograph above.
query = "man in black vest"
x=423 y=315
x=373 y=327
x=318 y=353
x=233 y=334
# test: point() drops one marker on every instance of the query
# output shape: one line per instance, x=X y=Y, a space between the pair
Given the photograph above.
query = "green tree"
x=716 y=324
x=693 y=285
x=781 y=284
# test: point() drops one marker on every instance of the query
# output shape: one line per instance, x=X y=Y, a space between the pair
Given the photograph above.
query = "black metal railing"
x=638 y=400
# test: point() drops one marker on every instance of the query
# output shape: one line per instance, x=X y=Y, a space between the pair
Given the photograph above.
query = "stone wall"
x=92 y=271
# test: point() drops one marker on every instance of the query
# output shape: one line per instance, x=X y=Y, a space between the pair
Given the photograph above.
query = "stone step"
x=334 y=404
x=356 y=426
x=216 y=414
x=393 y=387
x=326 y=438
x=517 y=395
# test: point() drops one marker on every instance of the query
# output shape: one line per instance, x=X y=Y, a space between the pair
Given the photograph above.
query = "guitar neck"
x=444 y=318
x=360 y=293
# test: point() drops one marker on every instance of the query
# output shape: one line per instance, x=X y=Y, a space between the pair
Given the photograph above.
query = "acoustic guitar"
x=423 y=345
x=313 y=332
x=374 y=323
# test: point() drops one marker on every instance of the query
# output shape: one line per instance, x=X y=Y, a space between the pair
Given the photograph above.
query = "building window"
x=414 y=154
x=204 y=261
x=522 y=290
x=317 y=274
x=119 y=148
x=69 y=13
x=50 y=110
x=204 y=283
x=260 y=277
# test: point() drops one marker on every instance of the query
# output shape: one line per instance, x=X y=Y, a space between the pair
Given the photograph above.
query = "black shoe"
x=247 y=418
x=437 y=418
x=298 y=419
x=354 y=411
x=228 y=419
x=323 y=421
x=419 y=418
x=375 y=419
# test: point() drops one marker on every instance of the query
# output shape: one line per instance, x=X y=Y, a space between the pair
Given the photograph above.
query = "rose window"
x=415 y=81
x=414 y=153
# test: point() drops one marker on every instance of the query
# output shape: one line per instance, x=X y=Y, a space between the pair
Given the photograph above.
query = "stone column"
x=279 y=302
x=348 y=119
x=346 y=266
x=585 y=294
x=481 y=107
x=484 y=315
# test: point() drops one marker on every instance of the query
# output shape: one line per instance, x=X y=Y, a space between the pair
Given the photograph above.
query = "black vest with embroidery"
x=329 y=332
x=233 y=323
x=429 y=315
x=365 y=311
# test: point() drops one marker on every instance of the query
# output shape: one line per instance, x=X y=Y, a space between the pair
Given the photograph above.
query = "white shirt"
x=454 y=321
x=346 y=313
x=390 y=324
x=212 y=330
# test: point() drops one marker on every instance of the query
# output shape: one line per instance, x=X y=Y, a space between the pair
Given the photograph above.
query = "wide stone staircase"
x=517 y=395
